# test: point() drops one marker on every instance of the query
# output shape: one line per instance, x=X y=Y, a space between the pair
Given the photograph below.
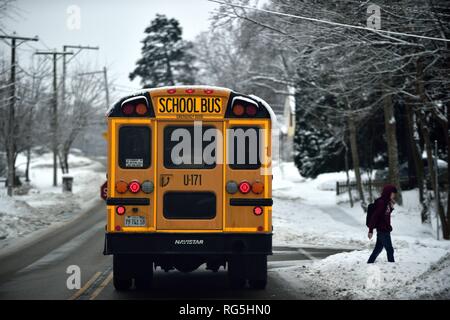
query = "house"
x=287 y=130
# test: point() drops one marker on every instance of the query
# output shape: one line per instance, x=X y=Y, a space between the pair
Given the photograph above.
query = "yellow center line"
x=102 y=286
x=85 y=287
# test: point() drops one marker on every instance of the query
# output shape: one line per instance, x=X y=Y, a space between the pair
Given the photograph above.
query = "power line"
x=45 y=45
x=33 y=74
x=105 y=79
x=331 y=22
x=65 y=62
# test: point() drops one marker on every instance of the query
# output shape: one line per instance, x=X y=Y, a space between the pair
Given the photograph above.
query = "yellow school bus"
x=189 y=183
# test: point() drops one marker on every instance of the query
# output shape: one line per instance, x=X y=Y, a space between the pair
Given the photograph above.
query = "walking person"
x=381 y=220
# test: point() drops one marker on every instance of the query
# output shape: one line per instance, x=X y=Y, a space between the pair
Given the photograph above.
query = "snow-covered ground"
x=306 y=212
x=45 y=205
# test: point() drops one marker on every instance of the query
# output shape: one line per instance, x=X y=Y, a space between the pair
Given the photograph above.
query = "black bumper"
x=188 y=243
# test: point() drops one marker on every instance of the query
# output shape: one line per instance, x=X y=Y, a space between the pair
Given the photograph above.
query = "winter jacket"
x=381 y=217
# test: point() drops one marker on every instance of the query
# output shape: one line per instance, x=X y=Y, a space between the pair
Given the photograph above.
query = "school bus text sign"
x=189 y=105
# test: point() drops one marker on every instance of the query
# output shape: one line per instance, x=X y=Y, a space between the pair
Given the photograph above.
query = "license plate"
x=135 y=221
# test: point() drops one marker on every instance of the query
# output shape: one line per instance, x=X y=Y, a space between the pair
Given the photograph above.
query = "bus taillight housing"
x=243 y=107
x=135 y=107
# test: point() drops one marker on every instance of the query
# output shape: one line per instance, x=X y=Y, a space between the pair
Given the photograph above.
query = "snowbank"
x=45 y=205
x=419 y=272
x=327 y=181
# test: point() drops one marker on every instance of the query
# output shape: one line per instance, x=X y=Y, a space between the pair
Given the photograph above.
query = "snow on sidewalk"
x=419 y=272
x=45 y=205
x=306 y=212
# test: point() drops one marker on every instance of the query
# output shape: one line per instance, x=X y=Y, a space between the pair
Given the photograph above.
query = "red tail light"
x=258 y=211
x=251 y=110
x=120 y=210
x=118 y=228
x=245 y=187
x=238 y=109
x=128 y=109
x=134 y=186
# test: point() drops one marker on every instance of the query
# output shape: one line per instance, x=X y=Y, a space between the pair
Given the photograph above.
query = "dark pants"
x=383 y=241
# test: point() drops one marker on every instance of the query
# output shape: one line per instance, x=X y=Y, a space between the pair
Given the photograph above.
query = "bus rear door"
x=190 y=180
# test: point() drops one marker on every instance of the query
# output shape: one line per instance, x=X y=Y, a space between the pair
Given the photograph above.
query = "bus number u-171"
x=192 y=179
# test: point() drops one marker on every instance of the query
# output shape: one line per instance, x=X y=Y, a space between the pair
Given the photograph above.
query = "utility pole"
x=65 y=47
x=437 y=195
x=105 y=78
x=54 y=111
x=11 y=144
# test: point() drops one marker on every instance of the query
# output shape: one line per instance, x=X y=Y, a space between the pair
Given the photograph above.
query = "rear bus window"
x=180 y=148
x=244 y=148
x=134 y=147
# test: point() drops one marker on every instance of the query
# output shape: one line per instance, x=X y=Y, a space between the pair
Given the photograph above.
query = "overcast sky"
x=116 y=26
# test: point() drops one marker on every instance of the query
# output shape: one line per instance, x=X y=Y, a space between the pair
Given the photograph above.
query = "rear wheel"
x=258 y=273
x=143 y=275
x=257 y=284
x=143 y=282
x=236 y=272
x=121 y=275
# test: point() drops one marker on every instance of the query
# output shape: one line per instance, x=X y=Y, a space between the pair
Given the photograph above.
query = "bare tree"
x=30 y=91
x=85 y=100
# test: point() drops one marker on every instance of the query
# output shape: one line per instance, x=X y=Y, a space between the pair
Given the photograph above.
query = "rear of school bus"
x=169 y=205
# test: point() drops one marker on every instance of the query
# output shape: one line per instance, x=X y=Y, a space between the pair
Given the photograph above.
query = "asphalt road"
x=38 y=270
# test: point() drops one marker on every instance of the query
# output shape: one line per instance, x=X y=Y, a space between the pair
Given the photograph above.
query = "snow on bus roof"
x=244 y=99
x=200 y=86
x=273 y=117
x=269 y=109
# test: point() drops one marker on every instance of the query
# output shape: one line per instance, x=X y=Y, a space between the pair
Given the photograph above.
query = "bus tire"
x=143 y=283
x=257 y=284
x=121 y=278
x=236 y=273
x=258 y=273
x=143 y=277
